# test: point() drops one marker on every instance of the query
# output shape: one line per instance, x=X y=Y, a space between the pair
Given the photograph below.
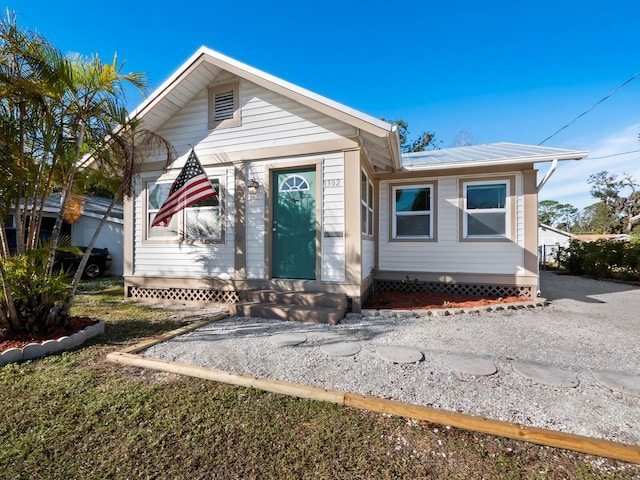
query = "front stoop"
x=313 y=307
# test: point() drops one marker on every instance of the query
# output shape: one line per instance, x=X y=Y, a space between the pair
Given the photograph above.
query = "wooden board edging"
x=138 y=347
x=541 y=436
x=238 y=379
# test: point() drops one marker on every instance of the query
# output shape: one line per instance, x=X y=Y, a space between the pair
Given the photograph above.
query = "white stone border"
x=37 y=350
x=444 y=312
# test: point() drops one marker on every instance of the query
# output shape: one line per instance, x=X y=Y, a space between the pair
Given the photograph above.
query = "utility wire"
x=613 y=155
x=592 y=107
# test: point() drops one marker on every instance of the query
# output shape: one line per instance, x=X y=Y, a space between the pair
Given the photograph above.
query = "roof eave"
x=574 y=155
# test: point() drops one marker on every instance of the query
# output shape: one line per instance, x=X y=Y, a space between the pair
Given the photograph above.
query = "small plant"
x=446 y=304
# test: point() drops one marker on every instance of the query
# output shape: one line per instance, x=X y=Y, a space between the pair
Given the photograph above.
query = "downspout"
x=545 y=179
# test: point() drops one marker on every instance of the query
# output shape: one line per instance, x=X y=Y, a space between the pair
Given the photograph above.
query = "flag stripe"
x=191 y=186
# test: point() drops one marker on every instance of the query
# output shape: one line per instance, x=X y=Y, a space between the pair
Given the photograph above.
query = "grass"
x=74 y=415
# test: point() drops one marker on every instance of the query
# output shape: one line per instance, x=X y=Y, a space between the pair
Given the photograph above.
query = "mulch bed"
x=425 y=300
x=20 y=339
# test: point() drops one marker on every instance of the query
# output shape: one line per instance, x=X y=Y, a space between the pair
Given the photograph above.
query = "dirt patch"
x=424 y=300
x=21 y=339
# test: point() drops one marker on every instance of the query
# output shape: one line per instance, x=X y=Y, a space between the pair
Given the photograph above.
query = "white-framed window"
x=224 y=106
x=200 y=221
x=412 y=212
x=157 y=193
x=366 y=205
x=486 y=209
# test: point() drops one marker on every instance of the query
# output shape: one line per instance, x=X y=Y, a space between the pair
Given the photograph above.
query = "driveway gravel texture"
x=588 y=327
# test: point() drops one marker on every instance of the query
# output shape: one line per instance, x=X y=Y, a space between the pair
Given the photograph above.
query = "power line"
x=613 y=155
x=592 y=107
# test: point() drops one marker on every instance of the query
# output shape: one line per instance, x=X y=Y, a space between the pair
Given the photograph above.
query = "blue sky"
x=501 y=70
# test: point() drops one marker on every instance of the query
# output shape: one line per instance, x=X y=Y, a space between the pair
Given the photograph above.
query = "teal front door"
x=294 y=224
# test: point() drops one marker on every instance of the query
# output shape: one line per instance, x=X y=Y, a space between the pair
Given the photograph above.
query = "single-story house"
x=316 y=196
x=550 y=240
x=81 y=230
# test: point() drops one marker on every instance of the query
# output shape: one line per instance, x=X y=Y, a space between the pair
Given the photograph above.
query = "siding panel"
x=448 y=254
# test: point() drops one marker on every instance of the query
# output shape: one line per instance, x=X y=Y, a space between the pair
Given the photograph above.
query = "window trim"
x=433 y=221
x=235 y=120
x=181 y=236
x=509 y=209
x=368 y=202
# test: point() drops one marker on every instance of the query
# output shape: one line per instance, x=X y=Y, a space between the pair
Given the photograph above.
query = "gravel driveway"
x=588 y=327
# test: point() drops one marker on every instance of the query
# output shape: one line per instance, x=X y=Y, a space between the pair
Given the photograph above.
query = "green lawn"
x=75 y=415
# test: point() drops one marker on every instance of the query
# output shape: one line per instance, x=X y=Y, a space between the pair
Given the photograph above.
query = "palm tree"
x=58 y=116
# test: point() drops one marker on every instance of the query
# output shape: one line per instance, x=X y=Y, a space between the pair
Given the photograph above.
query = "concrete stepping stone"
x=620 y=382
x=546 y=374
x=257 y=328
x=341 y=349
x=398 y=354
x=287 y=339
x=469 y=364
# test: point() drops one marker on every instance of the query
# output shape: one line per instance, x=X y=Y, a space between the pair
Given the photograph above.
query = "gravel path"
x=589 y=327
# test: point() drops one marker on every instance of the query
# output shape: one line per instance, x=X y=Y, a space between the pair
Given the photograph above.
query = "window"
x=200 y=221
x=486 y=210
x=412 y=207
x=203 y=220
x=157 y=193
x=366 y=205
x=294 y=183
x=224 y=110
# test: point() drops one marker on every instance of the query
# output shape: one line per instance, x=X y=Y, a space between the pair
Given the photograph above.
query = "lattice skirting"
x=195 y=295
x=477 y=290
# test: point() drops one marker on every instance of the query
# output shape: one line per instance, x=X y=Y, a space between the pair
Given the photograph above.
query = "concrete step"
x=314 y=307
x=321 y=299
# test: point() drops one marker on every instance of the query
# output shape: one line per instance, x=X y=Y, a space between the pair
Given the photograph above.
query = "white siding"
x=110 y=237
x=368 y=257
x=448 y=254
x=267 y=120
x=333 y=234
x=256 y=226
x=200 y=260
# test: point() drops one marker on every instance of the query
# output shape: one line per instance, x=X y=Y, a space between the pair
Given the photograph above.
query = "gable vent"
x=223 y=106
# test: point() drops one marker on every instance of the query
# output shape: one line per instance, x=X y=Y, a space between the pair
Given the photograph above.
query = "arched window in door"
x=294 y=183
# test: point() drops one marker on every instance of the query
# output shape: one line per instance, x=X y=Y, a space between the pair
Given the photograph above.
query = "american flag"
x=191 y=186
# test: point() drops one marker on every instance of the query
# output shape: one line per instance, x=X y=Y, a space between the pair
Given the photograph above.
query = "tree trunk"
x=66 y=306
x=13 y=321
x=63 y=199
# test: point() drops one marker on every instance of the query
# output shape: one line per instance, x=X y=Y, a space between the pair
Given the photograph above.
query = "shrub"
x=602 y=259
x=35 y=294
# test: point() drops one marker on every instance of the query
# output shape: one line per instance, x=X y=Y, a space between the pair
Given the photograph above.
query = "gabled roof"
x=502 y=153
x=206 y=65
x=556 y=230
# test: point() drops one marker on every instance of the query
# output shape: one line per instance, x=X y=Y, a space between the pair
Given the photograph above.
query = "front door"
x=294 y=224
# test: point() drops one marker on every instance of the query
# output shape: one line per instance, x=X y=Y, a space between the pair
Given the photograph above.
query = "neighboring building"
x=316 y=196
x=611 y=237
x=82 y=230
x=550 y=240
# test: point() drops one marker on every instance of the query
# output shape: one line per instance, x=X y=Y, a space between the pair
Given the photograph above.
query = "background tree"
x=425 y=141
x=463 y=138
x=620 y=200
x=596 y=218
x=556 y=214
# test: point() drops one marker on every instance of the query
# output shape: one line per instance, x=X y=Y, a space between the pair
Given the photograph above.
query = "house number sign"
x=333 y=182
